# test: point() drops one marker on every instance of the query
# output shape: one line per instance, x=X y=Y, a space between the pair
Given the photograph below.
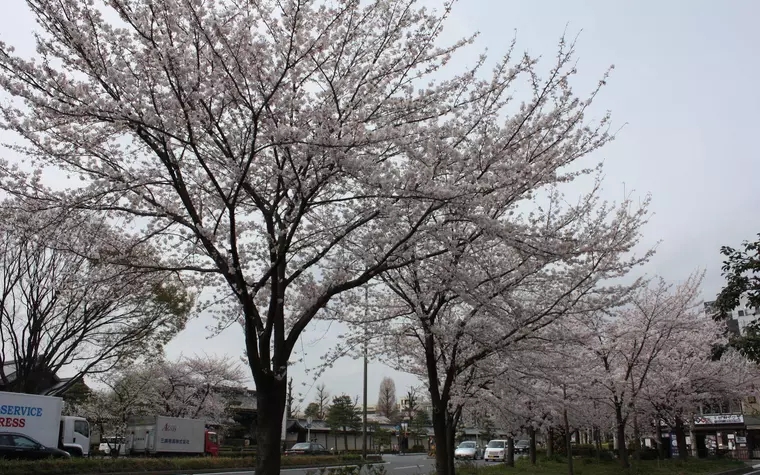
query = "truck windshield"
x=82 y=427
x=212 y=437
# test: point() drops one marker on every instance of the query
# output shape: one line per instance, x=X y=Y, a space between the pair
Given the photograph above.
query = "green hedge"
x=129 y=465
x=237 y=451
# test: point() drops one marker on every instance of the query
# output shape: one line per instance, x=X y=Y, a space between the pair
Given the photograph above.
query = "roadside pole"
x=364 y=405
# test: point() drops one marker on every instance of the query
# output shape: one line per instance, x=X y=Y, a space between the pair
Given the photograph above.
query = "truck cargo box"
x=166 y=435
x=39 y=417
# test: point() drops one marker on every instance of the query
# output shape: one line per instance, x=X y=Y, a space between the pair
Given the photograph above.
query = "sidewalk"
x=752 y=468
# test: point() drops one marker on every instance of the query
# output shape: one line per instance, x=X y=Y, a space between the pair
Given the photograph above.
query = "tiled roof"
x=244 y=399
x=9 y=369
x=59 y=388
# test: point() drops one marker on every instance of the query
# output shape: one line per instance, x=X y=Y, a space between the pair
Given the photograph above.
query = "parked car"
x=22 y=447
x=522 y=447
x=496 y=451
x=468 y=450
x=307 y=448
x=113 y=446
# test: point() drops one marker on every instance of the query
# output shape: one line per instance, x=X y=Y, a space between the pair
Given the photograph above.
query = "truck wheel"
x=75 y=452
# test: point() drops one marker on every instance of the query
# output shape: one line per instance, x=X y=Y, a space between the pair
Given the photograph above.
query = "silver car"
x=468 y=450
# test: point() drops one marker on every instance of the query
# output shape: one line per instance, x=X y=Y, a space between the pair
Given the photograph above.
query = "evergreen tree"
x=343 y=416
x=420 y=424
x=312 y=410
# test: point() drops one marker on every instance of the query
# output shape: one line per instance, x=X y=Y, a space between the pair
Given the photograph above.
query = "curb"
x=229 y=470
x=232 y=470
x=737 y=471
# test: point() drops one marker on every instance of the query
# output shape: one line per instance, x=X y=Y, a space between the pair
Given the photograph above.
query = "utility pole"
x=364 y=406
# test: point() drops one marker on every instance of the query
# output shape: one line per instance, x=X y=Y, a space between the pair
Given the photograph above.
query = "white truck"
x=39 y=417
x=161 y=435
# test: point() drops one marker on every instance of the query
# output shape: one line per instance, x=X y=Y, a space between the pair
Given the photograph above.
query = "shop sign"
x=719 y=419
x=741 y=440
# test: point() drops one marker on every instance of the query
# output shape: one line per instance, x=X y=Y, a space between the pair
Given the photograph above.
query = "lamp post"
x=308 y=428
x=364 y=403
x=404 y=427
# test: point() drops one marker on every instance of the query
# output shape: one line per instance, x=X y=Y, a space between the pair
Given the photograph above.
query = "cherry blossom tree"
x=686 y=376
x=60 y=308
x=193 y=387
x=544 y=385
x=281 y=151
x=629 y=342
x=127 y=394
x=457 y=310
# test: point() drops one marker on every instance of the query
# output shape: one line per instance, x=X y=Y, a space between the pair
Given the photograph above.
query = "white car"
x=496 y=451
x=468 y=450
x=112 y=446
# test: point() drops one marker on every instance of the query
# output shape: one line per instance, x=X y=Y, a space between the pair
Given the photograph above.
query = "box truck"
x=39 y=417
x=161 y=435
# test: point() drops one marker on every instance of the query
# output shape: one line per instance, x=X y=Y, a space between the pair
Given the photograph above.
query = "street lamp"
x=364 y=402
x=308 y=428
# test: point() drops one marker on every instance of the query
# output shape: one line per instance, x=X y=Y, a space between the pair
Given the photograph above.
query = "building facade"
x=739 y=318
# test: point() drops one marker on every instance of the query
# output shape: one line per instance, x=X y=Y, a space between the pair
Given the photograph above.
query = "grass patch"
x=586 y=466
x=82 y=466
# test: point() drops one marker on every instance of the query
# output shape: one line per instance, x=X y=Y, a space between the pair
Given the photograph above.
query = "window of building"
x=741 y=313
x=721 y=407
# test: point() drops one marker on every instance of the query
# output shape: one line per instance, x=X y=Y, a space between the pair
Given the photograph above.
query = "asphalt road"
x=394 y=465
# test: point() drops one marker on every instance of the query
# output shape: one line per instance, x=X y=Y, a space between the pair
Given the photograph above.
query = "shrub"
x=122 y=464
x=235 y=443
x=647 y=453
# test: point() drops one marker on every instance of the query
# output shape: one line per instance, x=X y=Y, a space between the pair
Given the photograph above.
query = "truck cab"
x=212 y=444
x=74 y=435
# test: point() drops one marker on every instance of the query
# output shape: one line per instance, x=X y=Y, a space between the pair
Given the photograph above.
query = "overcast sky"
x=685 y=86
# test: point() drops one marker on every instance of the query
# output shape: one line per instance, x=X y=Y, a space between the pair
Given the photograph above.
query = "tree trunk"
x=345 y=439
x=450 y=442
x=680 y=439
x=444 y=457
x=621 y=448
x=532 y=433
x=597 y=433
x=636 y=438
x=568 y=443
x=660 y=443
x=550 y=442
x=270 y=400
x=510 y=458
